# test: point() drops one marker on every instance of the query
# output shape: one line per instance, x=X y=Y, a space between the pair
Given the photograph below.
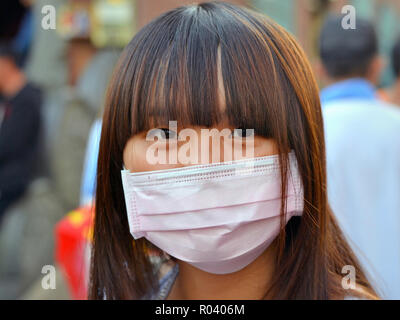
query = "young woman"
x=255 y=228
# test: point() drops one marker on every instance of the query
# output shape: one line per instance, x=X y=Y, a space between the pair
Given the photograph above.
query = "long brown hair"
x=169 y=71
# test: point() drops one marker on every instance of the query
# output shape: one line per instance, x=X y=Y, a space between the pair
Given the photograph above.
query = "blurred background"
x=63 y=73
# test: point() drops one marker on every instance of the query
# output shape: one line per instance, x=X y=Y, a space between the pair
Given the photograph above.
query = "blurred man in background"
x=363 y=150
x=19 y=129
x=351 y=65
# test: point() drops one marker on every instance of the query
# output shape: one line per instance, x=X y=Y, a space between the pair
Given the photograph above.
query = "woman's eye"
x=242 y=133
x=163 y=133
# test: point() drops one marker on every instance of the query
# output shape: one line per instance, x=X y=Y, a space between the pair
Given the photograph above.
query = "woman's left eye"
x=242 y=133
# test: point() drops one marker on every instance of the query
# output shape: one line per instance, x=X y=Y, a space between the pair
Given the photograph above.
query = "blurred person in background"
x=72 y=101
x=20 y=124
x=351 y=65
x=23 y=39
x=363 y=150
x=92 y=50
x=16 y=26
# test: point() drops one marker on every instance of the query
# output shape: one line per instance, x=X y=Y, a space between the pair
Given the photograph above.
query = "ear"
x=375 y=69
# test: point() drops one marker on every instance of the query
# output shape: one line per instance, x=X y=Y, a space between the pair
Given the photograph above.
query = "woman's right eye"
x=162 y=134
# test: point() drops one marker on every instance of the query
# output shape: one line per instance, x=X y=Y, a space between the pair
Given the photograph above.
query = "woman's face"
x=172 y=146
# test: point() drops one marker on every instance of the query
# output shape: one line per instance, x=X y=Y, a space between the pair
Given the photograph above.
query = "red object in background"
x=73 y=237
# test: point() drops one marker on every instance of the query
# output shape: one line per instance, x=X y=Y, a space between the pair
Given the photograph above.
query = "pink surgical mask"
x=217 y=217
